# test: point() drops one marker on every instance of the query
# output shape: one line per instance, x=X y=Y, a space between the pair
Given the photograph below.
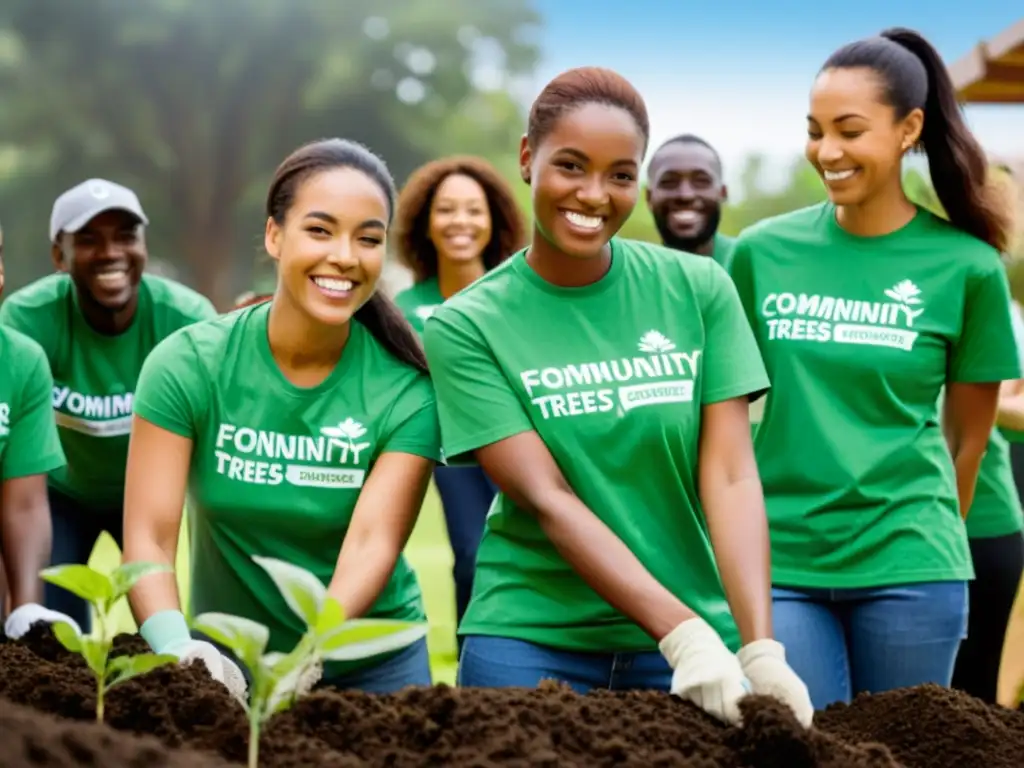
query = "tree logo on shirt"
x=655 y=342
x=905 y=293
x=816 y=317
x=661 y=375
x=334 y=458
x=5 y=419
x=425 y=311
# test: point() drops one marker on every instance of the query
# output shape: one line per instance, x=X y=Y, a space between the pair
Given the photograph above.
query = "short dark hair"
x=688 y=138
x=415 y=249
x=913 y=76
x=585 y=85
x=379 y=314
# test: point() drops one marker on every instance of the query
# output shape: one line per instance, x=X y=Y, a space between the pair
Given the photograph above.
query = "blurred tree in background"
x=194 y=104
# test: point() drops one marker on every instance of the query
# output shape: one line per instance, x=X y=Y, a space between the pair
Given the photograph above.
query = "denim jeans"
x=466 y=495
x=75 y=530
x=409 y=666
x=503 y=662
x=842 y=642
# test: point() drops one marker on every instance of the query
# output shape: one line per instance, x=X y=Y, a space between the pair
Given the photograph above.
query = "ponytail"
x=956 y=161
x=392 y=331
x=914 y=76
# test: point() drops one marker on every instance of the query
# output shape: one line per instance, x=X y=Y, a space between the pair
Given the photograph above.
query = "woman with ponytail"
x=866 y=308
x=303 y=427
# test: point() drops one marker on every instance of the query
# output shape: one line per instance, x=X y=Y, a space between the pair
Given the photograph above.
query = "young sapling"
x=278 y=679
x=103 y=591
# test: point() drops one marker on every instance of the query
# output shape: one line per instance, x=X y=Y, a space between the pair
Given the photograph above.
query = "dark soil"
x=925 y=727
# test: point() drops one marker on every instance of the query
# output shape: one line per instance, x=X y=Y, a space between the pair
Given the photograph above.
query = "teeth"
x=686 y=217
x=460 y=240
x=586 y=222
x=839 y=175
x=333 y=284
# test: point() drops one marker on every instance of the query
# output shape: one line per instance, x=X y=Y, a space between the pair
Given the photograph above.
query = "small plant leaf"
x=247 y=639
x=362 y=638
x=332 y=616
x=126 y=667
x=95 y=651
x=303 y=591
x=125 y=576
x=67 y=636
x=92 y=586
x=98 y=558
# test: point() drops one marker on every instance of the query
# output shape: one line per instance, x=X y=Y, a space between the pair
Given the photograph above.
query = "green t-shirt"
x=722 y=250
x=615 y=393
x=996 y=509
x=859 y=336
x=277 y=469
x=28 y=435
x=1012 y=435
x=94 y=374
x=419 y=301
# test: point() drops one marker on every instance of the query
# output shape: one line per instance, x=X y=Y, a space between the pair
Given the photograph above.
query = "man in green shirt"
x=685 y=192
x=96 y=319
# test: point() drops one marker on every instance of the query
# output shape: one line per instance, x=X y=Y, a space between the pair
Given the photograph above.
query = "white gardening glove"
x=309 y=678
x=221 y=668
x=764 y=664
x=23 y=617
x=705 y=671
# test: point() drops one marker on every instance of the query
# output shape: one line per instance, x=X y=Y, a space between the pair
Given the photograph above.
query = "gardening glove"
x=23 y=617
x=764 y=664
x=167 y=632
x=705 y=671
x=309 y=678
x=221 y=668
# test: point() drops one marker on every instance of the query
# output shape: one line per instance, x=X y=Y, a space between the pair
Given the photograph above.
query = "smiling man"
x=97 y=319
x=685 y=192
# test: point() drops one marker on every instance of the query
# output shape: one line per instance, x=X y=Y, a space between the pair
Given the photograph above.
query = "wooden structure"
x=993 y=72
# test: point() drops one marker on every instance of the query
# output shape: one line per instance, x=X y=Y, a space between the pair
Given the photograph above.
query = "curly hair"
x=414 y=248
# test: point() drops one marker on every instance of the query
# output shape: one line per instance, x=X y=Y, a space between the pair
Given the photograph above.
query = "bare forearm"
x=26 y=550
x=607 y=565
x=739 y=534
x=361 y=574
x=967 y=464
x=157 y=591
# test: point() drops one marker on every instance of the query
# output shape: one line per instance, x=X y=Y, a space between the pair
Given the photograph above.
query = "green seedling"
x=103 y=591
x=278 y=679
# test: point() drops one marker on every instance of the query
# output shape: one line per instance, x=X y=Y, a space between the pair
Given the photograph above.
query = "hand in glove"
x=705 y=671
x=23 y=617
x=764 y=664
x=167 y=632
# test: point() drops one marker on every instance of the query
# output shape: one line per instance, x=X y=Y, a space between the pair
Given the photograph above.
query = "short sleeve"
x=33 y=446
x=475 y=401
x=413 y=426
x=986 y=350
x=732 y=360
x=14 y=316
x=172 y=390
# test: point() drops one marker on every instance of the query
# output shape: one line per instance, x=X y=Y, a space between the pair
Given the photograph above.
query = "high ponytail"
x=915 y=77
x=378 y=315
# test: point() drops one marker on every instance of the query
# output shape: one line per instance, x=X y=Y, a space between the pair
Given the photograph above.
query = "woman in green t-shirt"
x=865 y=308
x=603 y=384
x=303 y=428
x=29 y=449
x=457 y=219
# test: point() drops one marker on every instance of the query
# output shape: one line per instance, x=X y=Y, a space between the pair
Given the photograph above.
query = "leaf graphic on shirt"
x=904 y=292
x=350 y=430
x=655 y=342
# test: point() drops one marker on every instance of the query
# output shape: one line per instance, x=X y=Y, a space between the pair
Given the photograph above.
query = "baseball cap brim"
x=80 y=221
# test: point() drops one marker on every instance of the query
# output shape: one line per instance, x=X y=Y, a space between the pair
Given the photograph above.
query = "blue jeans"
x=466 y=495
x=503 y=662
x=75 y=530
x=842 y=642
x=409 y=666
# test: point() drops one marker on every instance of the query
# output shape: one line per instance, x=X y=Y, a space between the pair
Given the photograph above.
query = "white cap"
x=82 y=203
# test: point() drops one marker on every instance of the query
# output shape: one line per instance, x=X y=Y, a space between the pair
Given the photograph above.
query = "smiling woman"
x=304 y=428
x=457 y=219
x=603 y=384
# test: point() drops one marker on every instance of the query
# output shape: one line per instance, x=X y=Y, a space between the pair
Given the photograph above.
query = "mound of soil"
x=924 y=727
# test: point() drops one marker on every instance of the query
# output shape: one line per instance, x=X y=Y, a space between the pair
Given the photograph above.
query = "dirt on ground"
x=181 y=708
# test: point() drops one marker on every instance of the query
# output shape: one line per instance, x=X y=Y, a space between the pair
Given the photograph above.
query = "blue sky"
x=738 y=72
